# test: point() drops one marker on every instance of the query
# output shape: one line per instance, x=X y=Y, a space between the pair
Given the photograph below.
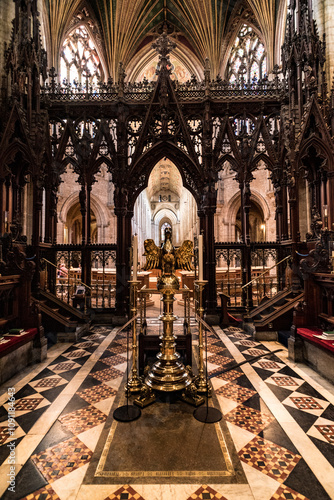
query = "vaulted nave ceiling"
x=204 y=27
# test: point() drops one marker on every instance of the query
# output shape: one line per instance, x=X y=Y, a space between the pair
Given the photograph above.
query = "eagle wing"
x=152 y=254
x=184 y=255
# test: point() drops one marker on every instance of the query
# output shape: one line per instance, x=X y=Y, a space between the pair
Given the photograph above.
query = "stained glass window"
x=79 y=58
x=248 y=57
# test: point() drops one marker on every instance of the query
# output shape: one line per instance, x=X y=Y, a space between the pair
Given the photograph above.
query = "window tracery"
x=79 y=59
x=248 y=61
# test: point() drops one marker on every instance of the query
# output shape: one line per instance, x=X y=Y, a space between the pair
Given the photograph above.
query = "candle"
x=200 y=257
x=135 y=256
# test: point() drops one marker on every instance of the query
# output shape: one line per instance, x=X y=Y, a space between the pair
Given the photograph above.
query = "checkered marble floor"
x=281 y=421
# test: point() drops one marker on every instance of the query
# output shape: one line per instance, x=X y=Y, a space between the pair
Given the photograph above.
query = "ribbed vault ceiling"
x=165 y=178
x=126 y=25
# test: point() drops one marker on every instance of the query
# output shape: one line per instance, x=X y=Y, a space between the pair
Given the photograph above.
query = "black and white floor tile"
x=281 y=421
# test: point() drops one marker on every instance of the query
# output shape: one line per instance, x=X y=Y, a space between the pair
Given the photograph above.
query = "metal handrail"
x=66 y=274
x=270 y=268
x=128 y=323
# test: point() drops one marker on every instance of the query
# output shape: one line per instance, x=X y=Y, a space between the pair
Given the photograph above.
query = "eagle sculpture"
x=167 y=257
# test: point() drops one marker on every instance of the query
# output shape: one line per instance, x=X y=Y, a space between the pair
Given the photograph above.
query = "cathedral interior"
x=167 y=249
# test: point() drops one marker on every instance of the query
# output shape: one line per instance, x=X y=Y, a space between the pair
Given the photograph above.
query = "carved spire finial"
x=163 y=45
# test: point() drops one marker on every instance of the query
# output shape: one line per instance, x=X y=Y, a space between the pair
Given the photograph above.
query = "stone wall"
x=102 y=205
x=228 y=203
x=7 y=12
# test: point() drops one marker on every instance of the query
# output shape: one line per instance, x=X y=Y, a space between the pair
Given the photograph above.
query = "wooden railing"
x=266 y=278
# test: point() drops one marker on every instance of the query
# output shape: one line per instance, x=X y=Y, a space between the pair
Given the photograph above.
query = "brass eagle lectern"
x=168 y=373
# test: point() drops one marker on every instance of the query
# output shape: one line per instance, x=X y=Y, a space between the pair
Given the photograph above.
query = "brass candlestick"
x=168 y=373
x=134 y=384
x=201 y=382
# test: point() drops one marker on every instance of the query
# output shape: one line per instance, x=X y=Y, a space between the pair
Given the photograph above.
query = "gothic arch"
x=146 y=55
x=166 y=215
x=322 y=149
x=232 y=38
x=163 y=213
x=91 y=25
x=100 y=211
x=229 y=159
x=233 y=207
x=8 y=156
x=142 y=168
x=265 y=159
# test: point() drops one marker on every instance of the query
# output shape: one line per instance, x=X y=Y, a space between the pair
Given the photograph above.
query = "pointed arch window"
x=248 y=59
x=79 y=58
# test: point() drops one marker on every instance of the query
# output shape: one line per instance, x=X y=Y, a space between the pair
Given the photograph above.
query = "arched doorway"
x=165 y=202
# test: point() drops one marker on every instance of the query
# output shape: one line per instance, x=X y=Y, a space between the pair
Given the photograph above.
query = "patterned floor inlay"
x=114 y=360
x=269 y=365
x=206 y=493
x=235 y=392
x=116 y=349
x=85 y=345
x=309 y=404
x=94 y=336
x=64 y=366
x=239 y=335
x=216 y=349
x=285 y=493
x=308 y=407
x=10 y=431
x=306 y=403
x=5 y=434
x=248 y=343
x=28 y=404
x=219 y=360
x=249 y=419
x=269 y=458
x=122 y=340
x=45 y=493
x=81 y=420
x=107 y=374
x=125 y=493
x=255 y=352
x=327 y=431
x=100 y=330
x=228 y=376
x=285 y=381
x=80 y=353
x=98 y=393
x=46 y=383
x=62 y=459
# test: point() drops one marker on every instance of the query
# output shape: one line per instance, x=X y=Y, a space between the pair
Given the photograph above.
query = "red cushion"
x=17 y=341
x=308 y=334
